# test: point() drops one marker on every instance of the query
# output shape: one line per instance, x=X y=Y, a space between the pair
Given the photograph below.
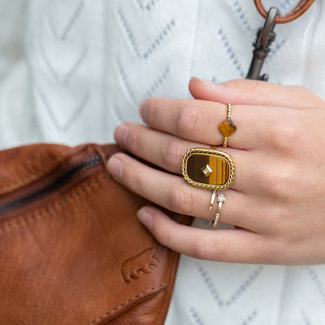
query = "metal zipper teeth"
x=60 y=181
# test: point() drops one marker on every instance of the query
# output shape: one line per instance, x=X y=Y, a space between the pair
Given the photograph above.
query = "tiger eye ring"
x=227 y=127
x=207 y=168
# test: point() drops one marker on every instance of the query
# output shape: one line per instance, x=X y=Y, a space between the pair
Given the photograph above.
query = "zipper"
x=54 y=185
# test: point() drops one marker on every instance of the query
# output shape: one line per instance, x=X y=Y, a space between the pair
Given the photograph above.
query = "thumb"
x=253 y=92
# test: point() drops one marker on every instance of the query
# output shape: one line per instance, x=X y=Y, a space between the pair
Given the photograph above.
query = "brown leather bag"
x=72 y=249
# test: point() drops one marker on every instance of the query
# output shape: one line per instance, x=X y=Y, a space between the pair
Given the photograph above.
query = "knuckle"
x=187 y=117
x=279 y=215
x=246 y=86
x=274 y=247
x=311 y=100
x=282 y=136
x=150 y=109
x=163 y=237
x=278 y=181
x=203 y=249
x=206 y=249
x=173 y=155
x=132 y=140
x=302 y=90
x=181 y=200
x=132 y=180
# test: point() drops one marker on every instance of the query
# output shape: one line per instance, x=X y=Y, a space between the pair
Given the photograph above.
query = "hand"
x=277 y=201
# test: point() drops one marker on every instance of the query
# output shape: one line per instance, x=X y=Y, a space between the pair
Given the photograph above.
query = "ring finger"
x=167 y=151
x=171 y=192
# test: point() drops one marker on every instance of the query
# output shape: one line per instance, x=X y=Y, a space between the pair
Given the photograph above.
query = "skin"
x=277 y=201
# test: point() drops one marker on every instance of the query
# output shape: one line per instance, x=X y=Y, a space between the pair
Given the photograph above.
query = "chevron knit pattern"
x=88 y=66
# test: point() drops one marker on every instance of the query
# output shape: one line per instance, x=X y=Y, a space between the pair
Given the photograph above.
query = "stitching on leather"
x=32 y=177
x=12 y=224
x=162 y=315
x=139 y=295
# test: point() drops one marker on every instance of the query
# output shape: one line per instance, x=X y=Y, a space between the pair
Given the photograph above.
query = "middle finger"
x=167 y=151
x=198 y=120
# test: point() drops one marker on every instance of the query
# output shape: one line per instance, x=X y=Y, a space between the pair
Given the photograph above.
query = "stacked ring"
x=221 y=199
x=210 y=168
x=227 y=127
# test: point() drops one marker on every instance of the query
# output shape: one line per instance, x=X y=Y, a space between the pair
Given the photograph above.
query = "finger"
x=253 y=92
x=257 y=174
x=198 y=121
x=167 y=152
x=227 y=245
x=161 y=149
x=173 y=193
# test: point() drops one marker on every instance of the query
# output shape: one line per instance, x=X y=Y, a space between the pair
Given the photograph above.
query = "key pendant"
x=264 y=38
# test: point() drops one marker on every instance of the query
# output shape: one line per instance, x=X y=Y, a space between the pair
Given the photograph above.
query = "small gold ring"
x=221 y=200
x=213 y=198
x=227 y=127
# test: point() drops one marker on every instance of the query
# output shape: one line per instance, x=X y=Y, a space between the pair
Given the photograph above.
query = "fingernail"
x=145 y=217
x=114 y=167
x=121 y=134
x=143 y=108
x=209 y=83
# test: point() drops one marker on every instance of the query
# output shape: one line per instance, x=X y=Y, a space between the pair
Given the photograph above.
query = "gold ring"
x=227 y=127
x=213 y=198
x=207 y=168
x=221 y=200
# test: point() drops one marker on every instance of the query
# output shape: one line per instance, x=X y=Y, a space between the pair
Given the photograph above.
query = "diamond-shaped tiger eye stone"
x=227 y=128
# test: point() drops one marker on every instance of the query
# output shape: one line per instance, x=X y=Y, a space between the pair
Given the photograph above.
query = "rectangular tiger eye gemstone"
x=196 y=166
x=227 y=128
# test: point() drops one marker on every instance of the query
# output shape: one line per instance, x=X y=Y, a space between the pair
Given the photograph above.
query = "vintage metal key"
x=264 y=37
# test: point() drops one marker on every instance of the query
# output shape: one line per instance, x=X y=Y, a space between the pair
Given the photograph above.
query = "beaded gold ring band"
x=227 y=127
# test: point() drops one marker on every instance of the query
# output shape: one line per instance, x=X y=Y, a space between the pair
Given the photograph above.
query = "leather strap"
x=301 y=7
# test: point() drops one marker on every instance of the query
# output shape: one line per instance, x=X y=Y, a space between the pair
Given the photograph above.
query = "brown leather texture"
x=72 y=249
x=301 y=8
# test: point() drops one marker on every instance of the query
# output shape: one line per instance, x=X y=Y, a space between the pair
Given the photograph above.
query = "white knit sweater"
x=72 y=70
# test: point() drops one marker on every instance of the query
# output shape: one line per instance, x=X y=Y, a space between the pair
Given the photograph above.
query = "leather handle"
x=302 y=6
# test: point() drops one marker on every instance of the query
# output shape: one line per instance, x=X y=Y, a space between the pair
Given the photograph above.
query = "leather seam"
x=12 y=224
x=32 y=177
x=167 y=298
x=139 y=295
x=24 y=181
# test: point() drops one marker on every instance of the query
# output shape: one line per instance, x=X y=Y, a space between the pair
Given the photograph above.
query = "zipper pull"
x=264 y=38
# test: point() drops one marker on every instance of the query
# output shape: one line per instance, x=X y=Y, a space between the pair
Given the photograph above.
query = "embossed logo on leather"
x=136 y=266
